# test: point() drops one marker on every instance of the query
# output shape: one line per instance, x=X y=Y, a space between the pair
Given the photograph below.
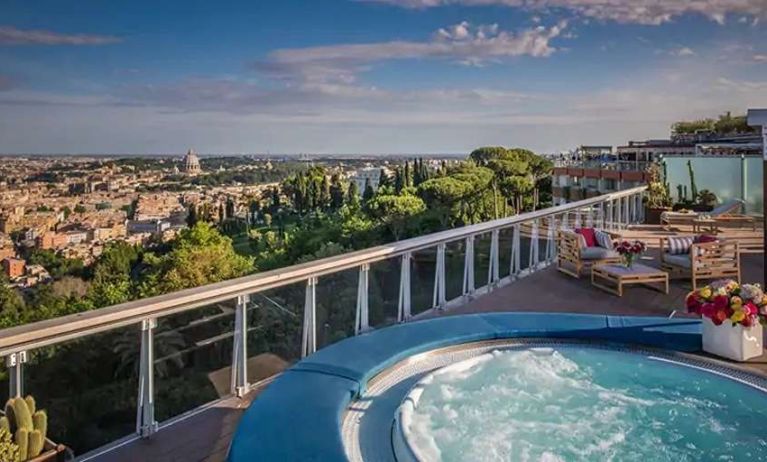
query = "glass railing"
x=122 y=372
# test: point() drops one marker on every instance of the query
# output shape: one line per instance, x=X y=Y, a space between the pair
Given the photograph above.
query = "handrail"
x=56 y=330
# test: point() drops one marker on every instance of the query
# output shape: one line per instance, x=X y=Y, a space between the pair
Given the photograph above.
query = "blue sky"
x=369 y=76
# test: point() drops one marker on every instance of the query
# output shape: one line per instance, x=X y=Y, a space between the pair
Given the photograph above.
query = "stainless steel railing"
x=612 y=211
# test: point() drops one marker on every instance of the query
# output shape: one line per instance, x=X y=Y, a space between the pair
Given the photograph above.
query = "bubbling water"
x=584 y=404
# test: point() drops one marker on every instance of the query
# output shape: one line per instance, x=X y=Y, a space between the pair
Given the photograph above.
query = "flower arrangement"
x=726 y=299
x=629 y=250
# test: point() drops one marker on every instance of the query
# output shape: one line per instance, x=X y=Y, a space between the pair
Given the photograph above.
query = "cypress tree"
x=353 y=195
x=368 y=194
x=399 y=184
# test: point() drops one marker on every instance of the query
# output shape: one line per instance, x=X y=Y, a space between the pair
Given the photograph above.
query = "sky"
x=369 y=76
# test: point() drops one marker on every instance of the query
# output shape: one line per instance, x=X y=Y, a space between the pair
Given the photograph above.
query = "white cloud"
x=682 y=52
x=651 y=12
x=760 y=58
x=13 y=36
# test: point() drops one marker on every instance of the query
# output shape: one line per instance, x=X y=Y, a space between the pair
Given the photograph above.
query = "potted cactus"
x=28 y=427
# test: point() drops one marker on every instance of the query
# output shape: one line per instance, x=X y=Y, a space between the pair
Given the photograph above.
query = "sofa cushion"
x=678 y=260
x=588 y=235
x=680 y=245
x=598 y=253
x=604 y=239
x=704 y=238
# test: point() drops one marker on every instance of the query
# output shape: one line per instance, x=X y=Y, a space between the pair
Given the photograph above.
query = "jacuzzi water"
x=583 y=404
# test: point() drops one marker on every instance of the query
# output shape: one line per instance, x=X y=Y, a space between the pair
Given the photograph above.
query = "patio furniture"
x=708 y=225
x=724 y=213
x=611 y=277
x=710 y=260
x=573 y=256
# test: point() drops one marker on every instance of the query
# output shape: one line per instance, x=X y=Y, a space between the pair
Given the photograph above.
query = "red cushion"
x=588 y=234
x=704 y=238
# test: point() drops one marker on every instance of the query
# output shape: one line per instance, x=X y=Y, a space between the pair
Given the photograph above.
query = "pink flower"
x=719 y=317
x=721 y=302
x=751 y=309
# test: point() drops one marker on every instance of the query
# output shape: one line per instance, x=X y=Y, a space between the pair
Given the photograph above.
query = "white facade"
x=361 y=177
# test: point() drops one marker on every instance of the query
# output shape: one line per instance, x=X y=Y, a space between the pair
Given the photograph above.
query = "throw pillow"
x=704 y=238
x=680 y=245
x=588 y=234
x=603 y=239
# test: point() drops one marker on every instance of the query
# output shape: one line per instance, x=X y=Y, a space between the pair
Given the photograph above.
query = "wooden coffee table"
x=612 y=278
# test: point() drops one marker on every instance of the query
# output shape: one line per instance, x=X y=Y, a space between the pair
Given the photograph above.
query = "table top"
x=636 y=269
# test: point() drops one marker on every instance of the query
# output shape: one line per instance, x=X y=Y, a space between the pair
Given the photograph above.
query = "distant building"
x=192 y=163
x=362 y=176
x=14 y=267
x=147 y=226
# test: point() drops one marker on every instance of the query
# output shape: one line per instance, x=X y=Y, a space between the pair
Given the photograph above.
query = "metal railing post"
x=15 y=364
x=515 y=259
x=468 y=267
x=403 y=306
x=492 y=270
x=438 y=301
x=309 y=334
x=578 y=218
x=550 y=244
x=626 y=212
x=590 y=217
x=239 y=385
x=618 y=220
x=145 y=422
x=601 y=215
x=361 y=320
x=534 y=244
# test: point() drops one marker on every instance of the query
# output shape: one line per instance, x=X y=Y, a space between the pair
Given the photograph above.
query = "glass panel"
x=193 y=358
x=4 y=380
x=336 y=296
x=88 y=387
x=275 y=320
x=422 y=279
x=481 y=259
x=505 y=237
x=455 y=253
x=524 y=246
x=383 y=292
x=754 y=193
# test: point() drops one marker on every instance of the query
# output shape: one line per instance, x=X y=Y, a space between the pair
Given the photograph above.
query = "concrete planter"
x=737 y=343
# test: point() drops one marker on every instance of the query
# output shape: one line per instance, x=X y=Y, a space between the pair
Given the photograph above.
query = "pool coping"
x=299 y=416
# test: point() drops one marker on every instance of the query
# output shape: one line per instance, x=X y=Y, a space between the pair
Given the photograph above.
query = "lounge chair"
x=723 y=215
x=710 y=260
x=572 y=256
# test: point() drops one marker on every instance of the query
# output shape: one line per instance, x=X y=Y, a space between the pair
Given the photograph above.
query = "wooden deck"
x=206 y=435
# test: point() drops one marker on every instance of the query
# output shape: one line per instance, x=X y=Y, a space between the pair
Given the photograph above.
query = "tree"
x=383 y=179
x=399 y=181
x=396 y=211
x=229 y=207
x=254 y=208
x=11 y=303
x=443 y=196
x=336 y=193
x=191 y=216
x=80 y=208
x=324 y=199
x=369 y=192
x=268 y=220
x=199 y=255
x=353 y=196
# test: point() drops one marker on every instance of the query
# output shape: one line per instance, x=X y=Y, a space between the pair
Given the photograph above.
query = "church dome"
x=191 y=163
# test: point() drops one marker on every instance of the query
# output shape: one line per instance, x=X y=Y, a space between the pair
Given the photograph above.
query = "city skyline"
x=374 y=76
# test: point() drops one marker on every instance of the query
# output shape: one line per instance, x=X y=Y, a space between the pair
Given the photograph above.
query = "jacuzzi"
x=511 y=386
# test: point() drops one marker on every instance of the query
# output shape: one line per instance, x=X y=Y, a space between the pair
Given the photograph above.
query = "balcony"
x=185 y=365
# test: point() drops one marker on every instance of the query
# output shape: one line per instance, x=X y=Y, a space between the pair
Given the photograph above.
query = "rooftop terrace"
x=195 y=359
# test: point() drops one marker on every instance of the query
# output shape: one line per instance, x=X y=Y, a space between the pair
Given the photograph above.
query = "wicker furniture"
x=572 y=258
x=611 y=278
x=712 y=260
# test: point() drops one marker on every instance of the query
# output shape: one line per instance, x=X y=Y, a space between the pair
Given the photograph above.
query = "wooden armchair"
x=711 y=260
x=572 y=258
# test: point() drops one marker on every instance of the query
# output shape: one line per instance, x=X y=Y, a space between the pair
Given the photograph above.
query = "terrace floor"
x=205 y=436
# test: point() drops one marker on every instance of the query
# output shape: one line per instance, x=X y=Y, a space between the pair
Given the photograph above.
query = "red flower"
x=719 y=317
x=751 y=308
x=747 y=321
x=721 y=302
x=693 y=303
x=707 y=310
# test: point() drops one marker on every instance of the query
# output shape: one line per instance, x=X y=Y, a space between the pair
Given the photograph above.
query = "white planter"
x=737 y=343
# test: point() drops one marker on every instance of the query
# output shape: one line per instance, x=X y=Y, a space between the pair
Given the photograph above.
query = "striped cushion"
x=604 y=239
x=680 y=245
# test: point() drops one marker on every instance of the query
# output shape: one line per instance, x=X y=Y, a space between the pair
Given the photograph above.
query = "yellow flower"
x=705 y=292
x=738 y=316
x=736 y=302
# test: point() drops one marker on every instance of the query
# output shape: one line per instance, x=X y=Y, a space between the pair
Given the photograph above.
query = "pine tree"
x=336 y=193
x=408 y=178
x=221 y=213
x=369 y=193
x=399 y=183
x=325 y=193
x=191 y=216
x=383 y=179
x=353 y=195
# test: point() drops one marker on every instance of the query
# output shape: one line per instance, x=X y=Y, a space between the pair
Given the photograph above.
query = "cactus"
x=693 y=186
x=40 y=420
x=36 y=443
x=31 y=404
x=22 y=440
x=29 y=429
x=22 y=415
x=8 y=449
